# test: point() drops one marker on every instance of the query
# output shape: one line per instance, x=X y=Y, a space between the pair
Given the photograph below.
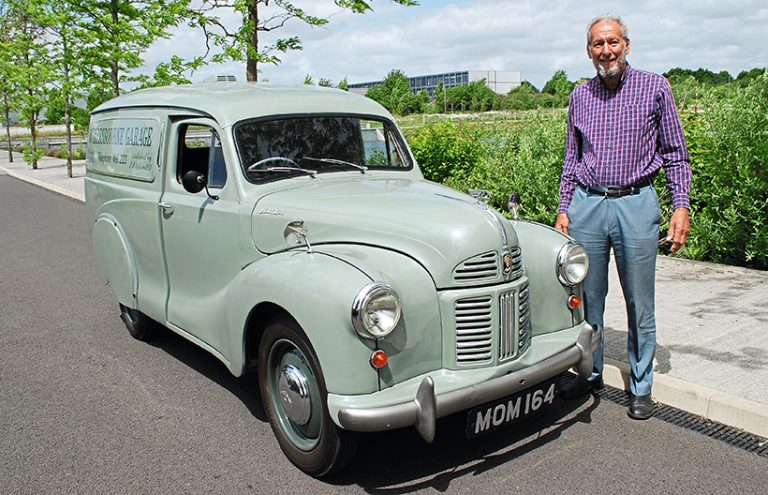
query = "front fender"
x=540 y=245
x=416 y=346
x=317 y=291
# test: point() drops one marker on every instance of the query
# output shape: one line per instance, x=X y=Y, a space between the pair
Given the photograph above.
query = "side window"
x=217 y=169
x=200 y=150
x=381 y=146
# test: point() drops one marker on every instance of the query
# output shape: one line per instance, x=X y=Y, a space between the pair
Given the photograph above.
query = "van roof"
x=230 y=102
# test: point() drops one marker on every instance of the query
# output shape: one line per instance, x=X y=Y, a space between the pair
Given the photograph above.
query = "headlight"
x=572 y=264
x=376 y=310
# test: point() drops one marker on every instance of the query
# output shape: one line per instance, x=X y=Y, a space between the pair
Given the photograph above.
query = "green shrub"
x=31 y=156
x=78 y=153
x=728 y=142
x=447 y=150
x=525 y=158
x=726 y=130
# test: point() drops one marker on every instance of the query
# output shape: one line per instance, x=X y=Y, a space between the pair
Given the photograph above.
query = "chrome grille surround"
x=491 y=326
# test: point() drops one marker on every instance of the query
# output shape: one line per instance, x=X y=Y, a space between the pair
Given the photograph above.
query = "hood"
x=459 y=240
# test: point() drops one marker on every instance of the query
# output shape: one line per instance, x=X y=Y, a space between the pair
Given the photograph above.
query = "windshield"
x=286 y=147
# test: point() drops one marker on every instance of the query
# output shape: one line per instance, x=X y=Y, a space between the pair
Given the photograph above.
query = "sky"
x=535 y=37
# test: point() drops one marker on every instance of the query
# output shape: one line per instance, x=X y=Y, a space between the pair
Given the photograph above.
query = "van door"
x=200 y=234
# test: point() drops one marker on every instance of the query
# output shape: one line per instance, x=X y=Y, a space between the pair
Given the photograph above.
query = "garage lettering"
x=126 y=136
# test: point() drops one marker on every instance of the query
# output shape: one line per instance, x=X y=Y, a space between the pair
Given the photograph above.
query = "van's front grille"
x=474 y=331
x=487 y=267
x=480 y=336
x=516 y=270
x=507 y=347
x=481 y=267
x=523 y=319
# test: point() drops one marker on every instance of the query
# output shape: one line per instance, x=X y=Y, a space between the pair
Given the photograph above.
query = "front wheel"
x=295 y=401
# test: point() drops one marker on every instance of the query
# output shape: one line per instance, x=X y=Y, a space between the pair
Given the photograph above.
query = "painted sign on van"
x=124 y=148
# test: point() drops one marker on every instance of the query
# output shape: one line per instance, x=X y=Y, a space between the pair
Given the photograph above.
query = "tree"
x=525 y=86
x=523 y=97
x=703 y=76
x=28 y=52
x=121 y=30
x=8 y=82
x=69 y=44
x=475 y=96
x=343 y=84
x=558 y=85
x=243 y=43
x=168 y=73
x=394 y=93
x=745 y=77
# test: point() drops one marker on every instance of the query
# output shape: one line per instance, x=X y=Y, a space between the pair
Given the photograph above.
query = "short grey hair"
x=608 y=17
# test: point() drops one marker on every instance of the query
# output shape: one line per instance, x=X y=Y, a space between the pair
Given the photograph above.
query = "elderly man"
x=622 y=128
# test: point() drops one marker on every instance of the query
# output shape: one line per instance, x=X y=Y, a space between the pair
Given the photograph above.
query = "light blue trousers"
x=629 y=225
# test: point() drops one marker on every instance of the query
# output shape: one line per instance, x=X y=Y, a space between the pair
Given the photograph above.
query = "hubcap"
x=294 y=394
x=293 y=388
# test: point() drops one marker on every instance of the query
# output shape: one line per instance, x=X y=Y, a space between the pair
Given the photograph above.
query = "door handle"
x=166 y=207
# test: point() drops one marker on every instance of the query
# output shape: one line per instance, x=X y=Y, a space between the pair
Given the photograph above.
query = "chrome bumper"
x=423 y=411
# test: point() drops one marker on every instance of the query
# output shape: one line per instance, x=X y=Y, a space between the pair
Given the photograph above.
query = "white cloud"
x=534 y=37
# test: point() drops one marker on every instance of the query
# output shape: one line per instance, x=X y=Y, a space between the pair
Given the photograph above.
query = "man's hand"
x=562 y=223
x=679 y=227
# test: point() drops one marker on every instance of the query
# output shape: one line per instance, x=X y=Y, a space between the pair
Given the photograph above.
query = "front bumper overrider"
x=423 y=411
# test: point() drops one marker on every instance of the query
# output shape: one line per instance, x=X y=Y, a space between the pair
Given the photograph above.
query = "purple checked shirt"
x=622 y=136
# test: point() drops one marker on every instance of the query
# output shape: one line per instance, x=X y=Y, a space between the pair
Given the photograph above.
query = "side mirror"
x=194 y=182
x=514 y=204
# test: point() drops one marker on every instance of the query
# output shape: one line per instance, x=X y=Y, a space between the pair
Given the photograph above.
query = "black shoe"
x=579 y=386
x=640 y=406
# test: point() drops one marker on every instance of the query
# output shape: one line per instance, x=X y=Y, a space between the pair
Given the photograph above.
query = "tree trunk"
x=68 y=124
x=67 y=107
x=114 y=64
x=8 y=127
x=33 y=143
x=251 y=71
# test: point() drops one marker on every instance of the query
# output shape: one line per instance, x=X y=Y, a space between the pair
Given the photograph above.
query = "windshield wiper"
x=307 y=171
x=361 y=168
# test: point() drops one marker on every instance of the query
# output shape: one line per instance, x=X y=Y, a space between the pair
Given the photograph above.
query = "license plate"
x=494 y=415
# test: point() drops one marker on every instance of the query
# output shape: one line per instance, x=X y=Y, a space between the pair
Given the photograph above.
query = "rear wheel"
x=137 y=323
x=295 y=401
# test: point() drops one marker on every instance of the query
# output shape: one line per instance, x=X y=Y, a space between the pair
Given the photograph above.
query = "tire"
x=137 y=323
x=289 y=369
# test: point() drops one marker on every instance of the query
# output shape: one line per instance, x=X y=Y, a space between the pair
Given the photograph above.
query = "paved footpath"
x=712 y=325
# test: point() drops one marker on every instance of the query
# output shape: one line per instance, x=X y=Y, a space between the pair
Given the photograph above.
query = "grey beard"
x=613 y=71
x=621 y=62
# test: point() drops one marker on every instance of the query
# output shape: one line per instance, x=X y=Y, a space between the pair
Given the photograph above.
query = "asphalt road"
x=84 y=408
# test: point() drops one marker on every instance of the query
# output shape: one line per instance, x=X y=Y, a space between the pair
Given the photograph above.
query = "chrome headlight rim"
x=568 y=255
x=371 y=292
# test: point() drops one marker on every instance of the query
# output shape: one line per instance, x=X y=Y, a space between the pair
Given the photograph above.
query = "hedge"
x=726 y=129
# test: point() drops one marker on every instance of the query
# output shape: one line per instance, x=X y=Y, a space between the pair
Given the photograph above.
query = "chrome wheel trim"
x=301 y=420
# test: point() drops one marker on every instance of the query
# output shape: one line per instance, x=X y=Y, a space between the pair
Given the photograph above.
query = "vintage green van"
x=288 y=231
